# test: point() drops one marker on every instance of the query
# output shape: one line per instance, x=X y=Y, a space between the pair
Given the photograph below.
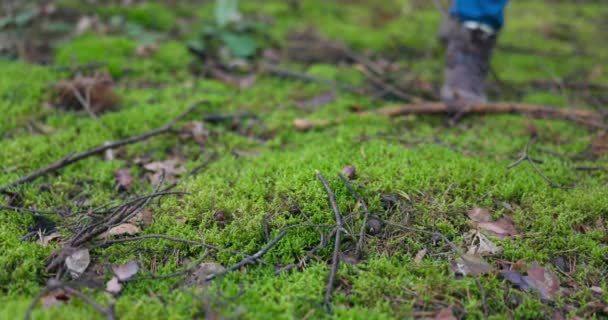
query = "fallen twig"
x=286 y=73
x=584 y=117
x=335 y=260
x=361 y=241
x=525 y=156
x=61 y=163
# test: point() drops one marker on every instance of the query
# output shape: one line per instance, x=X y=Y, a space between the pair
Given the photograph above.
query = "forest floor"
x=285 y=191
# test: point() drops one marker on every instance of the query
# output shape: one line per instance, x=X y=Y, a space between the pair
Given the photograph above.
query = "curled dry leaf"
x=197 y=131
x=170 y=167
x=481 y=245
x=349 y=171
x=54 y=297
x=113 y=286
x=125 y=271
x=305 y=125
x=124 y=179
x=470 y=265
x=501 y=228
x=419 y=256
x=78 y=262
x=544 y=281
x=44 y=240
x=93 y=94
x=480 y=215
x=121 y=229
x=445 y=314
x=144 y=218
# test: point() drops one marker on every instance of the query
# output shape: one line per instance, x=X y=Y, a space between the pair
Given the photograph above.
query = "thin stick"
x=584 y=117
x=96 y=150
x=335 y=260
x=361 y=241
x=525 y=156
x=107 y=312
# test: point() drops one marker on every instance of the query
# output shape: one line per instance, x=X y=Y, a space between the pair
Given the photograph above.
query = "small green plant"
x=230 y=35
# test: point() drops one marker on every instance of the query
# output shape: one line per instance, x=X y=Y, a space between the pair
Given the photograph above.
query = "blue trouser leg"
x=490 y=12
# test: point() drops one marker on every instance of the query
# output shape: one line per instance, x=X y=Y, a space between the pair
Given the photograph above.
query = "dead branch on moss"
x=107 y=312
x=72 y=158
x=361 y=241
x=587 y=118
x=335 y=260
x=525 y=156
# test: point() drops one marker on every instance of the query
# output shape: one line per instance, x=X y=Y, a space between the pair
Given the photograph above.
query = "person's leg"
x=469 y=50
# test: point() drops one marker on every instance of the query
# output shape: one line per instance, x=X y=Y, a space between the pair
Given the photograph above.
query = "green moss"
x=437 y=173
x=113 y=51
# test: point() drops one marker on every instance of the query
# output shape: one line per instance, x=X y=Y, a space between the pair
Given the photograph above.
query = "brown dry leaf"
x=78 y=262
x=470 y=265
x=125 y=271
x=44 y=240
x=350 y=171
x=121 y=229
x=305 y=125
x=481 y=245
x=501 y=228
x=542 y=280
x=54 y=297
x=197 y=278
x=145 y=217
x=93 y=94
x=171 y=168
x=480 y=215
x=197 y=131
x=146 y=50
x=124 y=179
x=419 y=256
x=445 y=314
x=113 y=286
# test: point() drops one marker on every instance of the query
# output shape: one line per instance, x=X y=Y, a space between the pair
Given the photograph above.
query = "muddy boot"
x=467 y=63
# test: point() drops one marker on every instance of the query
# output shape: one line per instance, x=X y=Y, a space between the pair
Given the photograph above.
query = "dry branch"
x=61 y=163
x=585 y=117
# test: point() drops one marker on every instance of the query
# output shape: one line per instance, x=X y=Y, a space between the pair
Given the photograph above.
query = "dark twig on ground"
x=361 y=241
x=525 y=156
x=61 y=163
x=587 y=118
x=286 y=73
x=335 y=260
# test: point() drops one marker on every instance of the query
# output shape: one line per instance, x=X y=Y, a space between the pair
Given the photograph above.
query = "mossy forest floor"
x=414 y=171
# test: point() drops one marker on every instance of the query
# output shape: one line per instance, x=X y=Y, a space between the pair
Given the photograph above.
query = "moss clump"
x=113 y=51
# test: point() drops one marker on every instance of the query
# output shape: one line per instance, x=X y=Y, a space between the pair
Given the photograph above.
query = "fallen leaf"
x=545 y=282
x=317 y=101
x=78 y=262
x=516 y=278
x=470 y=265
x=480 y=215
x=597 y=289
x=445 y=314
x=305 y=125
x=500 y=228
x=145 y=217
x=45 y=240
x=146 y=50
x=121 y=229
x=170 y=167
x=124 y=179
x=197 y=131
x=113 y=286
x=350 y=171
x=204 y=269
x=54 y=297
x=91 y=94
x=481 y=245
x=542 y=280
x=419 y=256
x=125 y=271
